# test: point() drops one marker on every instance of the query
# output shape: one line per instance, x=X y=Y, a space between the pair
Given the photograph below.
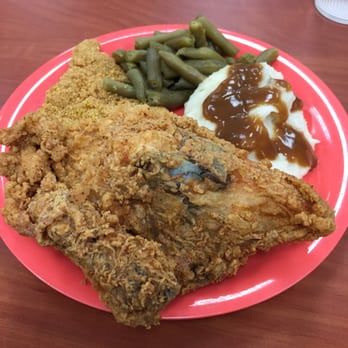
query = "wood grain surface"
x=313 y=313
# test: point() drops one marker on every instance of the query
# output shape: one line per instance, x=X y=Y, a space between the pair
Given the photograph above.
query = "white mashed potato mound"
x=296 y=120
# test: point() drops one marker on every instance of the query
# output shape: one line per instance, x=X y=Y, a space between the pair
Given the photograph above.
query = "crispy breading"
x=148 y=204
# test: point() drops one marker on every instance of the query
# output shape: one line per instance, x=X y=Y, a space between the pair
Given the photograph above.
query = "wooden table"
x=313 y=313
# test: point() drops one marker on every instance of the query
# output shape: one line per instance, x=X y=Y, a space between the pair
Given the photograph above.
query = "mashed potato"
x=279 y=120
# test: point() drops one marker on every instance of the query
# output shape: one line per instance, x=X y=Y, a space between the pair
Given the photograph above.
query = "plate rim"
x=64 y=57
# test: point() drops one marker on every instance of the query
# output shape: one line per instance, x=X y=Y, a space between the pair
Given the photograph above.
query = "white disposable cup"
x=336 y=10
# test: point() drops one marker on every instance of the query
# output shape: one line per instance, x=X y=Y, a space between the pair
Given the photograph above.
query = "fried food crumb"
x=148 y=204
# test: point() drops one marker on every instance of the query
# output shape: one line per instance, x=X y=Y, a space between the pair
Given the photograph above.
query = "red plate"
x=263 y=277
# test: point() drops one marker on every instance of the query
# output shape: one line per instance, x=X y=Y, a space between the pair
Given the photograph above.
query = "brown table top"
x=313 y=313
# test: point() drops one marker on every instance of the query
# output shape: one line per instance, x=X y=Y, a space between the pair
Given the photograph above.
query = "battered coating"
x=148 y=204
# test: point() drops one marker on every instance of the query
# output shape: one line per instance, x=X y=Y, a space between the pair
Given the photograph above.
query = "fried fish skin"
x=148 y=204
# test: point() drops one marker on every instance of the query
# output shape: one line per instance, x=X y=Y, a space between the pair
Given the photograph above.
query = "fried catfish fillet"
x=148 y=204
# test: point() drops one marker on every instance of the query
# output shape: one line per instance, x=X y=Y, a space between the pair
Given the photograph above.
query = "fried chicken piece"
x=148 y=204
x=127 y=271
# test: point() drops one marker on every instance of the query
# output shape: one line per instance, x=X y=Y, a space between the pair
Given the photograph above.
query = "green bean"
x=154 y=77
x=165 y=68
x=217 y=37
x=168 y=83
x=126 y=66
x=198 y=32
x=160 y=47
x=269 y=55
x=144 y=42
x=230 y=60
x=137 y=79
x=121 y=88
x=167 y=72
x=170 y=99
x=134 y=56
x=212 y=46
x=215 y=48
x=183 y=84
x=118 y=55
x=143 y=67
x=246 y=58
x=206 y=66
x=186 y=71
x=182 y=41
x=199 y=53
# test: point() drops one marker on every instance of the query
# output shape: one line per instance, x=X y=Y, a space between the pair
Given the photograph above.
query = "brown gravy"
x=229 y=105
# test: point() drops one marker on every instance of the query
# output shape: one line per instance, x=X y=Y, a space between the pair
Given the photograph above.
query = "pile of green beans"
x=165 y=68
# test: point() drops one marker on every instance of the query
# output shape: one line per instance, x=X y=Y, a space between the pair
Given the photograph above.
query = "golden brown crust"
x=148 y=204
